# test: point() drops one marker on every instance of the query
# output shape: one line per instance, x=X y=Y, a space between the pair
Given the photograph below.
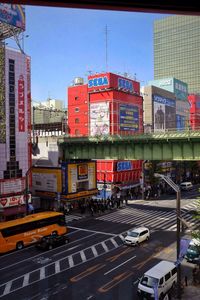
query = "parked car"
x=136 y=236
x=193 y=251
x=51 y=241
x=163 y=276
x=186 y=186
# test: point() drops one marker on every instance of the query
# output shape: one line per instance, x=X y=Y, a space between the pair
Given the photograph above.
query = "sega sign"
x=125 y=84
x=98 y=81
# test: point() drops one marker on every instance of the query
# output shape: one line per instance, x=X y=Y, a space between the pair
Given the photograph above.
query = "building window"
x=77 y=109
x=77 y=132
x=77 y=120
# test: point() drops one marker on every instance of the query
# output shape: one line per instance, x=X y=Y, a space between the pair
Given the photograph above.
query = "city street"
x=96 y=264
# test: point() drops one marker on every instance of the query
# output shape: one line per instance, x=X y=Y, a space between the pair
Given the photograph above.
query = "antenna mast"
x=106 y=36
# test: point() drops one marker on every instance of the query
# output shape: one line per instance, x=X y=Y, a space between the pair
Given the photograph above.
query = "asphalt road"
x=96 y=264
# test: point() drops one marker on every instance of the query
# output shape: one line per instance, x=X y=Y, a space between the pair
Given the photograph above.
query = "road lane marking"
x=83 y=257
x=7 y=288
x=88 y=230
x=26 y=279
x=114 y=243
x=57 y=267
x=116 y=256
x=115 y=281
x=71 y=262
x=120 y=265
x=72 y=248
x=104 y=246
x=87 y=272
x=94 y=251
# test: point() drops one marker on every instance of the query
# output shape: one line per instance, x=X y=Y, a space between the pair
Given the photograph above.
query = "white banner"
x=14 y=201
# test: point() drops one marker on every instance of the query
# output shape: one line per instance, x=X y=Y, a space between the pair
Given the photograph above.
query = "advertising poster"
x=81 y=177
x=159 y=116
x=164 y=113
x=128 y=117
x=99 y=118
x=12 y=14
x=48 y=180
x=180 y=122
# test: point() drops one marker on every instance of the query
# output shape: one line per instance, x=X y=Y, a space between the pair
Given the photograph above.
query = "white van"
x=185 y=186
x=163 y=276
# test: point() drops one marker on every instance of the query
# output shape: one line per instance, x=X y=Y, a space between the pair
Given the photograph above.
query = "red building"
x=108 y=104
x=194 y=100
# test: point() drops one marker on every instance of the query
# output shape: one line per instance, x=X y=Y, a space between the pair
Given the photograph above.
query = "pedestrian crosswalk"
x=152 y=218
x=63 y=264
x=69 y=218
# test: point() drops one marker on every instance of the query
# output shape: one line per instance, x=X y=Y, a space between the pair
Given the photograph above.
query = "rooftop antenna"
x=106 y=37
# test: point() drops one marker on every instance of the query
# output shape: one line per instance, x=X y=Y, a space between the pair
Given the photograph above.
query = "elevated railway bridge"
x=168 y=145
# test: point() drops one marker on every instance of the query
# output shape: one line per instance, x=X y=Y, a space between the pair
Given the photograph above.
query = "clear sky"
x=66 y=43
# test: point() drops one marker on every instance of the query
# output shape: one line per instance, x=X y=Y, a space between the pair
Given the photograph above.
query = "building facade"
x=177 y=48
x=194 y=100
x=109 y=104
x=180 y=91
x=15 y=137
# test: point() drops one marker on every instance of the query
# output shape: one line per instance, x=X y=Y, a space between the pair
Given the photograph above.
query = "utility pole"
x=178 y=226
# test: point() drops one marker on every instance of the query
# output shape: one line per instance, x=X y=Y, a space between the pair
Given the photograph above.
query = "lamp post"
x=176 y=188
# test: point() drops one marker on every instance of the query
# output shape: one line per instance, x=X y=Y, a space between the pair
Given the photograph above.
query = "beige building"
x=177 y=50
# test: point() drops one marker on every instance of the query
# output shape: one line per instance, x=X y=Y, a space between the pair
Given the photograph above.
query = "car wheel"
x=19 y=246
x=147 y=238
x=50 y=247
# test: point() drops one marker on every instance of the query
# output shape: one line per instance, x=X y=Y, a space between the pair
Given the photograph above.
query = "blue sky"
x=67 y=43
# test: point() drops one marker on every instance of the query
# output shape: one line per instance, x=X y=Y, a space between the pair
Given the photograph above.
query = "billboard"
x=164 y=113
x=14 y=201
x=13 y=14
x=180 y=122
x=173 y=85
x=128 y=117
x=80 y=177
x=12 y=186
x=99 y=118
x=47 y=179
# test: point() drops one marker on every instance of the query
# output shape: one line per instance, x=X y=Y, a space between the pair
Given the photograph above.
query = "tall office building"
x=177 y=50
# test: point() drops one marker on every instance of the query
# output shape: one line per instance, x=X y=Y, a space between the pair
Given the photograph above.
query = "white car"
x=136 y=236
x=185 y=186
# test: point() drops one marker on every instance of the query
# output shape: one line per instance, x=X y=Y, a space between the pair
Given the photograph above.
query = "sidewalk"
x=191 y=292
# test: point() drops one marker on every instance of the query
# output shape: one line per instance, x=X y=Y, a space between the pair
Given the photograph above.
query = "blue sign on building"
x=125 y=84
x=124 y=166
x=129 y=117
x=98 y=81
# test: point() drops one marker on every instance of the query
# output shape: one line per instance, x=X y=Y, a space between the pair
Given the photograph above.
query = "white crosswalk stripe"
x=70 y=218
x=153 y=218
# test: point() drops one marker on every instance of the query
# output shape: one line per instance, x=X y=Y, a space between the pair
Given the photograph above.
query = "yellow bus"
x=19 y=233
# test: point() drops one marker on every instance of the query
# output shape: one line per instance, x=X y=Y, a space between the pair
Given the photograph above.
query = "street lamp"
x=176 y=188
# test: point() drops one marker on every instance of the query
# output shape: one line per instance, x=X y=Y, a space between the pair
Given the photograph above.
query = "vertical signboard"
x=21 y=107
x=128 y=117
x=2 y=96
x=164 y=113
x=13 y=14
x=99 y=118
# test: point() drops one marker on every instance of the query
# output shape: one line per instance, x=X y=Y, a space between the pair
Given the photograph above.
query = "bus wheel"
x=54 y=232
x=19 y=246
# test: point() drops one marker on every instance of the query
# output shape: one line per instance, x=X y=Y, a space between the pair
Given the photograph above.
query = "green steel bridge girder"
x=143 y=147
